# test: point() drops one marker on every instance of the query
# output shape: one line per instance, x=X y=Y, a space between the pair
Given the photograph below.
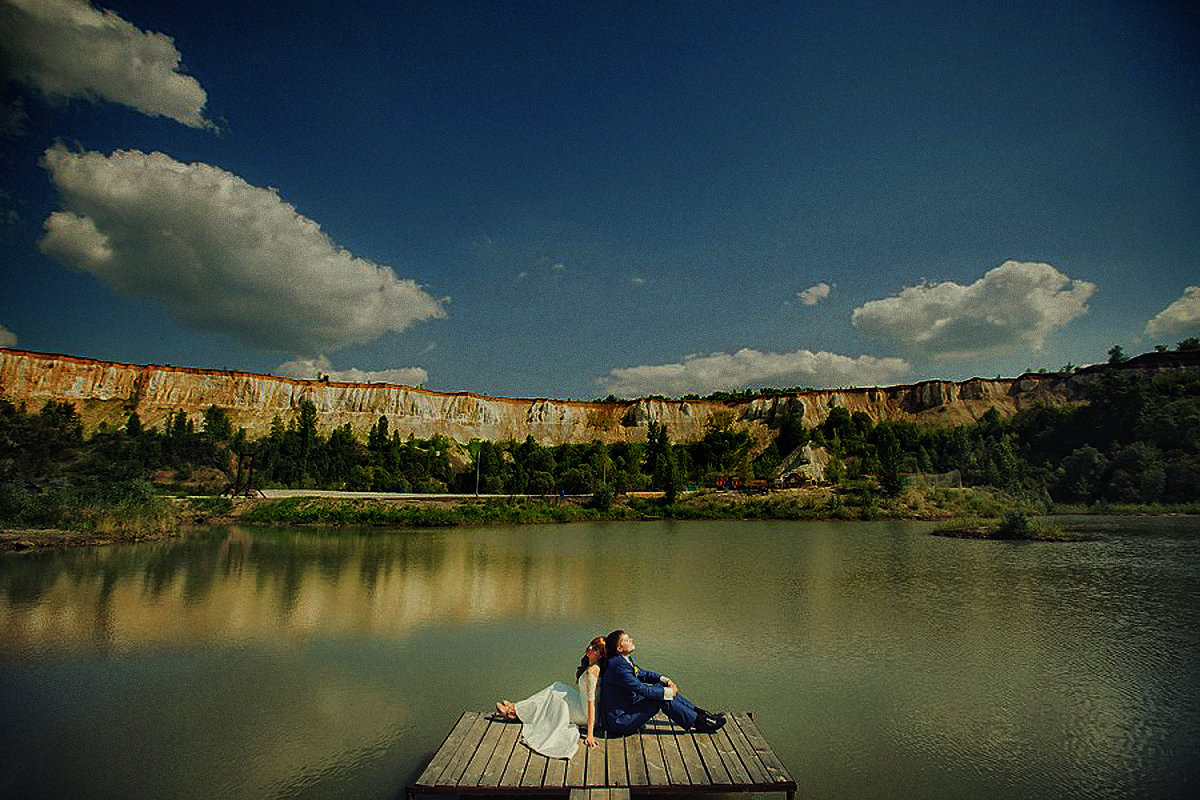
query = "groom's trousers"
x=681 y=711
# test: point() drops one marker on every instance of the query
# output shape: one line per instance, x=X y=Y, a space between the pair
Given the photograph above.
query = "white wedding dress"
x=551 y=718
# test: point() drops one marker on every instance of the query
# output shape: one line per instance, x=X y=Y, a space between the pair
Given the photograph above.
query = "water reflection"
x=230 y=585
x=882 y=662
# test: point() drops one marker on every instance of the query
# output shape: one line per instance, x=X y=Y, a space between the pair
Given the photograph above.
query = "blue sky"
x=570 y=199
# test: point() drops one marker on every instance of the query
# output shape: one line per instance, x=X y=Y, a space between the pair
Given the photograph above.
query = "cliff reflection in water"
x=882 y=661
x=229 y=584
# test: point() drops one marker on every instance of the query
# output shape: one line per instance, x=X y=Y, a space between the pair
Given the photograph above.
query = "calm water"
x=880 y=661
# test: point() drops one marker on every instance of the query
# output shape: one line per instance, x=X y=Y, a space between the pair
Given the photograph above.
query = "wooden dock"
x=484 y=755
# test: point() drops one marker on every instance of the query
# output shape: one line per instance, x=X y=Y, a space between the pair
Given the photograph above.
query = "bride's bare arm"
x=590 y=740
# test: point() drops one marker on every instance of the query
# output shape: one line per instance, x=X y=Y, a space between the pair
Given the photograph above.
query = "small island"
x=1013 y=526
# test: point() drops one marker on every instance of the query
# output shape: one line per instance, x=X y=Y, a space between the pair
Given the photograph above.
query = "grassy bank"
x=418 y=514
x=1127 y=509
x=853 y=503
x=129 y=507
x=133 y=512
x=96 y=514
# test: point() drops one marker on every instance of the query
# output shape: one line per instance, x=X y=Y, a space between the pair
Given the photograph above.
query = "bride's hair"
x=598 y=644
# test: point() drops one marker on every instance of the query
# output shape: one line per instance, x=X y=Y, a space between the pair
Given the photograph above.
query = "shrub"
x=602 y=500
x=1016 y=525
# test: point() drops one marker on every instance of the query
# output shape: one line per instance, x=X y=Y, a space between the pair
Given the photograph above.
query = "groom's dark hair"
x=610 y=642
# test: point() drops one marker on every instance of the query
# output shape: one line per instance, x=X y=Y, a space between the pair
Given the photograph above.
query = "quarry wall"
x=106 y=392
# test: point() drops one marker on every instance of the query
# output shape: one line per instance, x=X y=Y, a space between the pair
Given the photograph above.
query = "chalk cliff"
x=107 y=392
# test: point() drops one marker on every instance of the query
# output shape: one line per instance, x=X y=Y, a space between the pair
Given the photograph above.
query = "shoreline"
x=965 y=512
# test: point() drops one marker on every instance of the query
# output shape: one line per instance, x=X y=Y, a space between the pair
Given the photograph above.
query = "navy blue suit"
x=630 y=696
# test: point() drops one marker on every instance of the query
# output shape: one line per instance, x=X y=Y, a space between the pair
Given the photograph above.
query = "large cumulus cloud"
x=1181 y=318
x=747 y=367
x=69 y=49
x=1012 y=308
x=7 y=337
x=310 y=368
x=222 y=255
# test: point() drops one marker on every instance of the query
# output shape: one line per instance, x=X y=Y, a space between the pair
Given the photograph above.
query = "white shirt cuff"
x=668 y=693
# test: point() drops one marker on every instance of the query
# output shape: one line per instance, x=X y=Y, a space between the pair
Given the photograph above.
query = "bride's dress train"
x=551 y=718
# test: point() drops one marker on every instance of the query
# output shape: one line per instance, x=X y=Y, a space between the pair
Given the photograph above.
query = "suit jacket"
x=621 y=686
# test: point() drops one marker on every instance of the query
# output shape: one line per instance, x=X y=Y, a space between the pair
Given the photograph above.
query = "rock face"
x=105 y=392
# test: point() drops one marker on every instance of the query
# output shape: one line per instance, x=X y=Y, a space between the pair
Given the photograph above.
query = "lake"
x=880 y=661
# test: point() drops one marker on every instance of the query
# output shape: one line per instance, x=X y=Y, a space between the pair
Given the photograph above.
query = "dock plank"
x=745 y=751
x=775 y=768
x=483 y=753
x=729 y=757
x=599 y=794
x=556 y=773
x=717 y=774
x=577 y=767
x=535 y=771
x=515 y=770
x=464 y=752
x=656 y=768
x=445 y=752
x=662 y=730
x=505 y=746
x=618 y=774
x=691 y=758
x=635 y=760
x=596 y=774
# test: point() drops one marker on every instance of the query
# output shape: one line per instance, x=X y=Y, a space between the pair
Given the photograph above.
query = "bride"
x=550 y=718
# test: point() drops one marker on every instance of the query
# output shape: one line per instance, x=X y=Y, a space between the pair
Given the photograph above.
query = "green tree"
x=1137 y=475
x=133 y=425
x=306 y=437
x=179 y=425
x=1116 y=355
x=1082 y=476
x=890 y=461
x=341 y=456
x=377 y=438
x=660 y=462
x=835 y=471
x=216 y=425
x=792 y=434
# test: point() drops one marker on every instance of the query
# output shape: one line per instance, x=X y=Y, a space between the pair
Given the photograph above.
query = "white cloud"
x=637 y=281
x=310 y=368
x=69 y=49
x=7 y=337
x=1180 y=318
x=746 y=368
x=1013 y=307
x=814 y=294
x=221 y=254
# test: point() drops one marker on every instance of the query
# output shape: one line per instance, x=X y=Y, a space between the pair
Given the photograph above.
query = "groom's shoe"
x=703 y=712
x=708 y=723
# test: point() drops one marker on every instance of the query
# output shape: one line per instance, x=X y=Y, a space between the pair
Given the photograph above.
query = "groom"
x=630 y=695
